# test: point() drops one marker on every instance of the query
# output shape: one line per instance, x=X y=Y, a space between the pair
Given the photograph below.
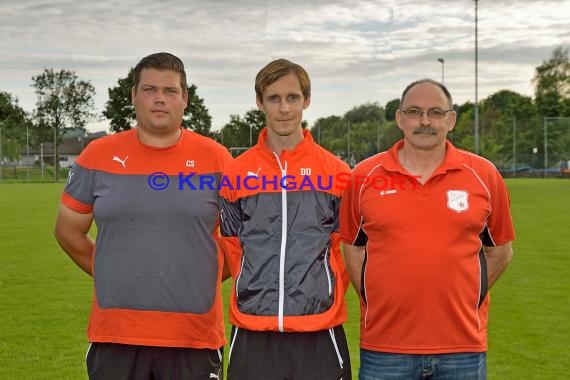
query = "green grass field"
x=45 y=299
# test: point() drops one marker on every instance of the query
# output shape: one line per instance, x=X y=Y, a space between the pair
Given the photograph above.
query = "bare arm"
x=71 y=232
x=354 y=259
x=498 y=258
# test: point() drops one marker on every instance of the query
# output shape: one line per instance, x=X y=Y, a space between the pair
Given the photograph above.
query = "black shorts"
x=269 y=355
x=110 y=361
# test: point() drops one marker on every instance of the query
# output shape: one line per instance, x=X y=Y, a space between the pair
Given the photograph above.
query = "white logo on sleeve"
x=458 y=200
x=252 y=174
x=115 y=158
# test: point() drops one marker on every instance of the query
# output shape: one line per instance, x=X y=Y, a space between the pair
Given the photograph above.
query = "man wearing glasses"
x=423 y=255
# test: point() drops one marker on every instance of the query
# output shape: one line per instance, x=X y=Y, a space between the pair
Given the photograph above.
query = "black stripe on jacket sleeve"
x=230 y=217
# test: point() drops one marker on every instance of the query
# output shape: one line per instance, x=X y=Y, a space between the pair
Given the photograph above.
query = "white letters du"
x=458 y=200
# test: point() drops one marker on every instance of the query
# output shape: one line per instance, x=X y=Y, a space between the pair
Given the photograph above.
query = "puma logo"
x=252 y=174
x=115 y=158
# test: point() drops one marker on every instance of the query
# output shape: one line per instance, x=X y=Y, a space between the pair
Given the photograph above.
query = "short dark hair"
x=431 y=81
x=277 y=69
x=160 y=61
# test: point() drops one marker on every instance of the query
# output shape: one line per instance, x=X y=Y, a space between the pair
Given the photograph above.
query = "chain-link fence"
x=557 y=146
x=20 y=173
x=518 y=147
x=528 y=147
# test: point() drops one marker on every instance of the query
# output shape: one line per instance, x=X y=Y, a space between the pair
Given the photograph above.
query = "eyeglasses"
x=432 y=114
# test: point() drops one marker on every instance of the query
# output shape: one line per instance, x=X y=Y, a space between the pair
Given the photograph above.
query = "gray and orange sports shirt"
x=424 y=279
x=157 y=264
x=280 y=225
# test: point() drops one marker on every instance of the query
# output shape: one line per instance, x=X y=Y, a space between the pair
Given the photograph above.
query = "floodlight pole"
x=348 y=142
x=55 y=156
x=546 y=118
x=28 y=152
x=514 y=146
x=545 y=147
x=250 y=136
x=42 y=158
x=378 y=137
x=1 y=158
x=476 y=84
x=442 y=61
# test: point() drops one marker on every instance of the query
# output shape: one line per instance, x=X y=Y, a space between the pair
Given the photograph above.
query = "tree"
x=13 y=121
x=364 y=122
x=363 y=139
x=196 y=115
x=552 y=85
x=326 y=129
x=64 y=101
x=217 y=136
x=498 y=114
x=365 y=112
x=121 y=113
x=389 y=134
x=236 y=133
x=330 y=133
x=390 y=108
x=119 y=109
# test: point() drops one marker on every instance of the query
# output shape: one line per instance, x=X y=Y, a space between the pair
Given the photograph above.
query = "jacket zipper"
x=283 y=243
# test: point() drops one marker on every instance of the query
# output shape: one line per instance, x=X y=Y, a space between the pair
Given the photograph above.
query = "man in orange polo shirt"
x=423 y=253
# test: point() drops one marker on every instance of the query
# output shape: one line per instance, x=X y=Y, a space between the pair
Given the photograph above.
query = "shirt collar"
x=451 y=161
x=305 y=144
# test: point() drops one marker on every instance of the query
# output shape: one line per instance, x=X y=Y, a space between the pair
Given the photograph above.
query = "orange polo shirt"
x=424 y=288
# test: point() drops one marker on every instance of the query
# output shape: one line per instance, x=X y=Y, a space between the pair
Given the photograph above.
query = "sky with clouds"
x=355 y=51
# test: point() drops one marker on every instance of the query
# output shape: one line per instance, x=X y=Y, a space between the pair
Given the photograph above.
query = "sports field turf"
x=45 y=299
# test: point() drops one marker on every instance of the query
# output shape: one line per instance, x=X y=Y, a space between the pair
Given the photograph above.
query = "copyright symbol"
x=158 y=181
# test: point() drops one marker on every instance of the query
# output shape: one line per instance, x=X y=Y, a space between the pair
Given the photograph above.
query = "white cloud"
x=355 y=51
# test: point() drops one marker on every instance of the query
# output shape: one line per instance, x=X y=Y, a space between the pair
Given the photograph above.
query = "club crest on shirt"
x=458 y=200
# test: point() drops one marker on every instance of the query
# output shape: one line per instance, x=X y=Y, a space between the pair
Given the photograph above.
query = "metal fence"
x=526 y=149
x=19 y=173
x=534 y=150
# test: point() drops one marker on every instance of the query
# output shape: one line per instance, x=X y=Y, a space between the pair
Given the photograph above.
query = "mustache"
x=425 y=130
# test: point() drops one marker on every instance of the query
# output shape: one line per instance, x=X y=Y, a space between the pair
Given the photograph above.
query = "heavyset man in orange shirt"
x=422 y=255
x=156 y=262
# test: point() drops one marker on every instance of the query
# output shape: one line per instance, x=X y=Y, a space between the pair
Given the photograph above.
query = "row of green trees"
x=511 y=125
x=65 y=101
